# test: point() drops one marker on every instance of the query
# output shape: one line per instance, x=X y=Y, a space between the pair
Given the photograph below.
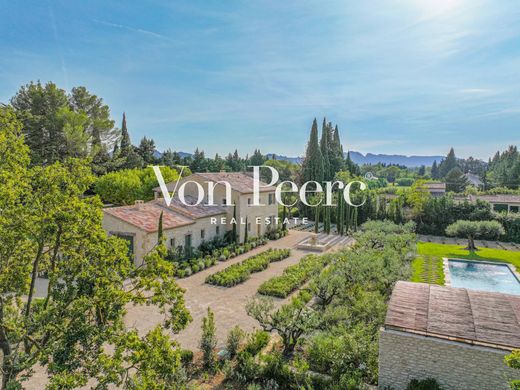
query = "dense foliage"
x=330 y=342
x=128 y=185
x=240 y=272
x=48 y=227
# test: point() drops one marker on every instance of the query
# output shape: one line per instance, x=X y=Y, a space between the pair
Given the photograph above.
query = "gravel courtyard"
x=228 y=304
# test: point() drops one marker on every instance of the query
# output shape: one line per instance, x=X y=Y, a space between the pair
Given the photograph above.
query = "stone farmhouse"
x=455 y=335
x=189 y=226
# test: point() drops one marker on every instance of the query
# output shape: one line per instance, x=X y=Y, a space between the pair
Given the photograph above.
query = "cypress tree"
x=234 y=237
x=336 y=156
x=284 y=216
x=246 y=233
x=316 y=219
x=312 y=167
x=126 y=144
x=339 y=214
x=325 y=149
x=160 y=234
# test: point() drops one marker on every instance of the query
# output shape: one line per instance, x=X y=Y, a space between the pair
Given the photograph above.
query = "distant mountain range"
x=360 y=158
x=370 y=158
x=408 y=161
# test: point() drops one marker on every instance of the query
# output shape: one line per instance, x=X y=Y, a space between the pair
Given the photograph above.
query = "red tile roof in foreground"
x=474 y=317
x=146 y=216
x=196 y=211
x=239 y=181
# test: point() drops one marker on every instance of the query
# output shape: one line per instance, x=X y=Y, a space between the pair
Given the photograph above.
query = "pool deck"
x=447 y=274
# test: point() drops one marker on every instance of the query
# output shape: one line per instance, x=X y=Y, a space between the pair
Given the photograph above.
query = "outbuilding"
x=457 y=336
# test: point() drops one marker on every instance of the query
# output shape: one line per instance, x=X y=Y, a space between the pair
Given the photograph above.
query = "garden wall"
x=405 y=356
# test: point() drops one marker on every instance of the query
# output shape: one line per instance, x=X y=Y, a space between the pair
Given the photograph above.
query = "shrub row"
x=294 y=276
x=240 y=272
x=189 y=267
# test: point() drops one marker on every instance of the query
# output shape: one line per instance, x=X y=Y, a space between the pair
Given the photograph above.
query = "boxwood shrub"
x=294 y=276
x=240 y=272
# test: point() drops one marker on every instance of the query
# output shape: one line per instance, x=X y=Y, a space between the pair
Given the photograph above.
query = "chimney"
x=139 y=204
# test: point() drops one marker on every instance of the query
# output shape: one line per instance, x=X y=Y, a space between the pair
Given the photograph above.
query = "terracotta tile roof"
x=474 y=317
x=239 y=181
x=146 y=216
x=195 y=212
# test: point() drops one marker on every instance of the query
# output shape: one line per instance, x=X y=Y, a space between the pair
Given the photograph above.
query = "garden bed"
x=294 y=276
x=185 y=268
x=240 y=272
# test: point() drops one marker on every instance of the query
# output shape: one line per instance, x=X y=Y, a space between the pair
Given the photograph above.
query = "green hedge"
x=240 y=272
x=294 y=276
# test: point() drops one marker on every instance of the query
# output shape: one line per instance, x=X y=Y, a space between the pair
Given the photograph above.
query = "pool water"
x=483 y=276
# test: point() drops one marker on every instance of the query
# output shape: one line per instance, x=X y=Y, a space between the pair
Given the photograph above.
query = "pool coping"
x=447 y=274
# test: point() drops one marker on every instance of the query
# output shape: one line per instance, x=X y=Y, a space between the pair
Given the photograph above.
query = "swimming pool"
x=484 y=276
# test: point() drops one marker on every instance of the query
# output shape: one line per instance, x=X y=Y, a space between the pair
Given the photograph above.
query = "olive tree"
x=291 y=321
x=475 y=229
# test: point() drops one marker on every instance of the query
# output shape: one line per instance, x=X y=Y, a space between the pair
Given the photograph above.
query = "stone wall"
x=406 y=356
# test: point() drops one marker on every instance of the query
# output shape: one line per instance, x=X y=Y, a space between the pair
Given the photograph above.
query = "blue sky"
x=398 y=76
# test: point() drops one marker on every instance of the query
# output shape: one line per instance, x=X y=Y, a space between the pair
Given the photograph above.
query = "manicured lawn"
x=428 y=266
x=457 y=251
x=428 y=269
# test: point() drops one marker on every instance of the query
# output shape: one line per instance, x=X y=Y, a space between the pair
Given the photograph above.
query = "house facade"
x=256 y=219
x=188 y=226
x=185 y=227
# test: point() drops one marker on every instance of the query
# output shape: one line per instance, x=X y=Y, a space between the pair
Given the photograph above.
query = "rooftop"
x=239 y=181
x=194 y=211
x=473 y=317
x=497 y=198
x=146 y=216
x=435 y=186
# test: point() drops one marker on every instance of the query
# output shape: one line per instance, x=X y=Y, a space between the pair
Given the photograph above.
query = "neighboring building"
x=241 y=196
x=509 y=203
x=183 y=226
x=436 y=189
x=474 y=180
x=457 y=336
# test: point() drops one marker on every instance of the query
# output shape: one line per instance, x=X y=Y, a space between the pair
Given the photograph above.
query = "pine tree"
x=448 y=164
x=312 y=167
x=456 y=181
x=146 y=150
